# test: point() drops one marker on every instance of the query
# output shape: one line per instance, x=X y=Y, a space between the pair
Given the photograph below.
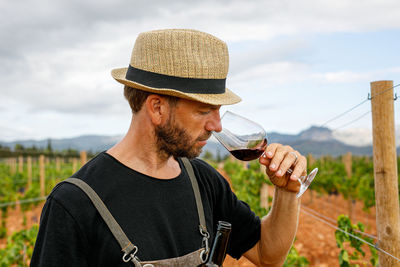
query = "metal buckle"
x=132 y=257
x=203 y=256
x=206 y=236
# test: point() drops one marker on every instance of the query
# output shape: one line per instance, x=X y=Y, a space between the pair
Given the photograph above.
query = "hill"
x=315 y=140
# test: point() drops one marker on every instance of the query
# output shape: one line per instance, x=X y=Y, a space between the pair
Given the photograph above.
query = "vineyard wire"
x=356 y=237
x=23 y=201
x=344 y=113
x=353 y=121
x=303 y=207
x=359 y=104
x=334 y=221
x=370 y=97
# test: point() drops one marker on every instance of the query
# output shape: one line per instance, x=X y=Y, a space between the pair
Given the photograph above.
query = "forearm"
x=278 y=228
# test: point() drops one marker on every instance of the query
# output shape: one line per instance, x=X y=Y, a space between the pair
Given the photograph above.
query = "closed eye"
x=205 y=112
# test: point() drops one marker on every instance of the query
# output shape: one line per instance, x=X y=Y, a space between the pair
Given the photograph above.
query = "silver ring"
x=294 y=153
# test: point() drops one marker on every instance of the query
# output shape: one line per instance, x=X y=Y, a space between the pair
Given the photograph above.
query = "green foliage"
x=332 y=179
x=295 y=260
x=14 y=186
x=208 y=156
x=247 y=184
x=19 y=248
x=346 y=256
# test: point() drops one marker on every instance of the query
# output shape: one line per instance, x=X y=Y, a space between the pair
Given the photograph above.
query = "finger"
x=270 y=150
x=300 y=169
x=289 y=160
x=280 y=154
x=264 y=160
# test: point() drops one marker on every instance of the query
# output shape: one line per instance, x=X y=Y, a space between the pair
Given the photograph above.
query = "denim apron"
x=129 y=250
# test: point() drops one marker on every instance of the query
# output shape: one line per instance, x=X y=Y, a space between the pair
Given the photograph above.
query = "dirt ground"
x=315 y=240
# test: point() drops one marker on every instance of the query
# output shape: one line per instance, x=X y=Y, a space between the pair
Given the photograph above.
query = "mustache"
x=204 y=137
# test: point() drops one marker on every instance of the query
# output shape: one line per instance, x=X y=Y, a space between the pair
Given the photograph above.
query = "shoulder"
x=71 y=197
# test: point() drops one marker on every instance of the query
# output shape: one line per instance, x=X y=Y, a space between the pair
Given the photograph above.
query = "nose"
x=214 y=123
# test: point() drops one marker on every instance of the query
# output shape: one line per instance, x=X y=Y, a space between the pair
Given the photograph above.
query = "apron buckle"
x=206 y=236
x=131 y=256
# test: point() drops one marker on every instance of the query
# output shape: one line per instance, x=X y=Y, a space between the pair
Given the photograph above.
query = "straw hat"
x=184 y=63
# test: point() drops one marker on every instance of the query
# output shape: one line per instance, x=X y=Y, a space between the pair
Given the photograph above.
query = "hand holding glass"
x=247 y=140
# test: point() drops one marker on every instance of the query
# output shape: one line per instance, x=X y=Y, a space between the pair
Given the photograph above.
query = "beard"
x=175 y=141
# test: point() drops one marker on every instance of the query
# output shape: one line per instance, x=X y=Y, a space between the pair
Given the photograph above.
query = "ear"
x=157 y=108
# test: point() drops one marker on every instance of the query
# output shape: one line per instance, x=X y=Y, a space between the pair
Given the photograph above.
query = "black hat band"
x=184 y=85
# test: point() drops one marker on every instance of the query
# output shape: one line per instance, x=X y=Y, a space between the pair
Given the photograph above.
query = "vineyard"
x=342 y=196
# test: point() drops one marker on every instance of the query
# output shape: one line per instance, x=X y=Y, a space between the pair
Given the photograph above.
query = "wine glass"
x=247 y=140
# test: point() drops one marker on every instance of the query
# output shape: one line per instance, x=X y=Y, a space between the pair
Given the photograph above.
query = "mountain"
x=94 y=143
x=315 y=140
x=319 y=141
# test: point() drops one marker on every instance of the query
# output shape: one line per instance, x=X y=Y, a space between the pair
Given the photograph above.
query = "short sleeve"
x=58 y=230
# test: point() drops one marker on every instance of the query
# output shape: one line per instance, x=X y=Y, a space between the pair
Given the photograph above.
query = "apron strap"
x=196 y=191
x=200 y=209
x=127 y=247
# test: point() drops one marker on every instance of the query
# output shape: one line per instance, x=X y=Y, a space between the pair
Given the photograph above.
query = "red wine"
x=250 y=153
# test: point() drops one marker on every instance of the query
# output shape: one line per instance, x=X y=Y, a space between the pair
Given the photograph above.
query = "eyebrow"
x=214 y=107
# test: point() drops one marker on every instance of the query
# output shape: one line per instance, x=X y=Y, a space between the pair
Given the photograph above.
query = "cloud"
x=56 y=56
x=45 y=25
x=9 y=134
x=346 y=76
x=247 y=55
x=360 y=136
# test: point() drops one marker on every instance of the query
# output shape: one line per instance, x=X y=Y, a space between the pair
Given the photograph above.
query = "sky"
x=294 y=63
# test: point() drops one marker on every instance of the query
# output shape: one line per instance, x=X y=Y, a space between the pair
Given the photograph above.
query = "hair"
x=137 y=97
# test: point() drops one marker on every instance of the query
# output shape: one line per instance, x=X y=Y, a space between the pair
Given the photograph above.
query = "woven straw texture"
x=181 y=53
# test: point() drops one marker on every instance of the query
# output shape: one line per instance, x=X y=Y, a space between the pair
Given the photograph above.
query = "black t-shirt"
x=158 y=216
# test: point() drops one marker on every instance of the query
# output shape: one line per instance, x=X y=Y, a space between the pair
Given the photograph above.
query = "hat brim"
x=227 y=98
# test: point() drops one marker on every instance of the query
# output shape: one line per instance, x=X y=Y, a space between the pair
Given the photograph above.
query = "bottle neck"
x=218 y=250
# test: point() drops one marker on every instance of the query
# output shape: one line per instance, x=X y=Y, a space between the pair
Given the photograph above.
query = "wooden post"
x=385 y=172
x=310 y=160
x=74 y=165
x=29 y=166
x=13 y=166
x=42 y=175
x=58 y=164
x=20 y=164
x=83 y=157
x=347 y=161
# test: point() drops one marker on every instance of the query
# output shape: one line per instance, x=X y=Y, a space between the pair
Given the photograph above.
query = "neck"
x=138 y=151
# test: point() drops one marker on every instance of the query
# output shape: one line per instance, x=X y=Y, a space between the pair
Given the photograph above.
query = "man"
x=175 y=85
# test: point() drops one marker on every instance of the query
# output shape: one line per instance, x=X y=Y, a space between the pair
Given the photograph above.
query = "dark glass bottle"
x=218 y=249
